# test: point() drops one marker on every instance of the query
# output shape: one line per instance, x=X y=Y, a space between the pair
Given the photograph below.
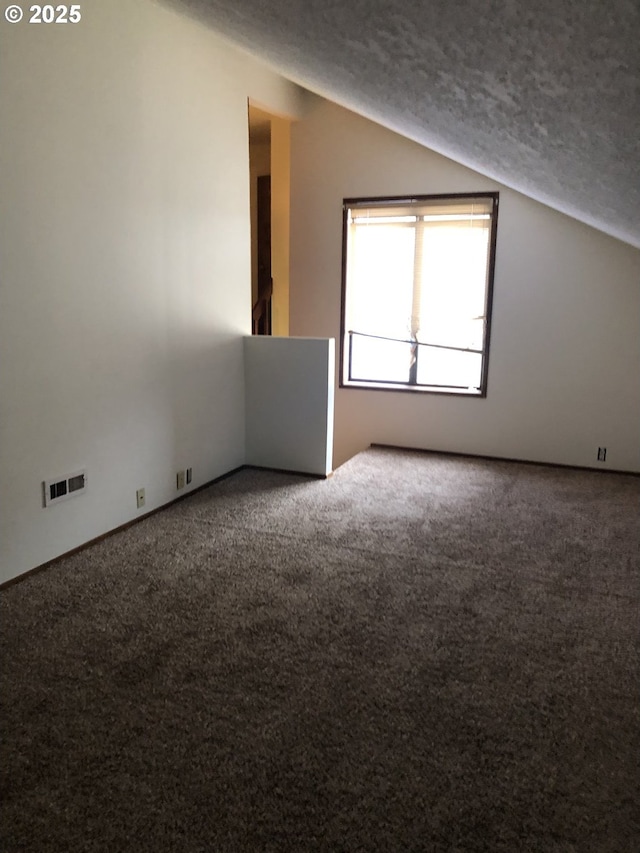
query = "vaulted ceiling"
x=541 y=95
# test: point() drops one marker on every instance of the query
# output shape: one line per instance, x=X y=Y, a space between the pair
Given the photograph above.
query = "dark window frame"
x=381 y=385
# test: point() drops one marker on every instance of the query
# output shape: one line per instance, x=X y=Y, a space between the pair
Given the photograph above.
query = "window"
x=416 y=299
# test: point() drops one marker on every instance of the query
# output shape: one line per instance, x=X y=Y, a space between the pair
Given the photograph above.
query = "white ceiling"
x=541 y=95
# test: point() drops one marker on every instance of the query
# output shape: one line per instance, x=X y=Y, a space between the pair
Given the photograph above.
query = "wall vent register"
x=62 y=488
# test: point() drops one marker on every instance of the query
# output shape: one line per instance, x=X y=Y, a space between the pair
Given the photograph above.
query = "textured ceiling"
x=541 y=95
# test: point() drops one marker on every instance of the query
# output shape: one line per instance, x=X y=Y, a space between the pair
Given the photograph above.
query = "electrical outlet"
x=140 y=498
x=180 y=480
x=189 y=475
x=602 y=454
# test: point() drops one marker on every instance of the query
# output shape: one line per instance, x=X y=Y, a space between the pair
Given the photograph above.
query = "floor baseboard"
x=24 y=575
x=507 y=459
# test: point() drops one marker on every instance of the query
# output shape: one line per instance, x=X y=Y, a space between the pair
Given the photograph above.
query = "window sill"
x=414 y=389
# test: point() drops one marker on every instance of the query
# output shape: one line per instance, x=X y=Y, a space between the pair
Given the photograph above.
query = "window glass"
x=417 y=292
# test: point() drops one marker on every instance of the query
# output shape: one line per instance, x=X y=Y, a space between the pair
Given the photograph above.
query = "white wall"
x=565 y=340
x=290 y=403
x=125 y=288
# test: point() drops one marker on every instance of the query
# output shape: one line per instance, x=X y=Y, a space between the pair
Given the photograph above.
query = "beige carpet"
x=423 y=653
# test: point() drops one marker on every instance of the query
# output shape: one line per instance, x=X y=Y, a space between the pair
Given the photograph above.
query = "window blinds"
x=439 y=247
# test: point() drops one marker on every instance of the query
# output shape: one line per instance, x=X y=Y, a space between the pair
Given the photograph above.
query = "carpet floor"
x=422 y=653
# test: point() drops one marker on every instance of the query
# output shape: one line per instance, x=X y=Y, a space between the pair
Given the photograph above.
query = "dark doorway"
x=261 y=315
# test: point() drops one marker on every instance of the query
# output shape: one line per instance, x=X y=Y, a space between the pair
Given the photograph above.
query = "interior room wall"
x=125 y=244
x=289 y=387
x=565 y=339
x=280 y=226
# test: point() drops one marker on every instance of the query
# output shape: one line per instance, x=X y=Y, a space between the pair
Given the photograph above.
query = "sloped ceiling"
x=541 y=95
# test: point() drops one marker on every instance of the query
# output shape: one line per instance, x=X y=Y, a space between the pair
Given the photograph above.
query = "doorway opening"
x=269 y=153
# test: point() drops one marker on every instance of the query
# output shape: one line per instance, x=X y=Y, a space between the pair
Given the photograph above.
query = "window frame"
x=382 y=385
